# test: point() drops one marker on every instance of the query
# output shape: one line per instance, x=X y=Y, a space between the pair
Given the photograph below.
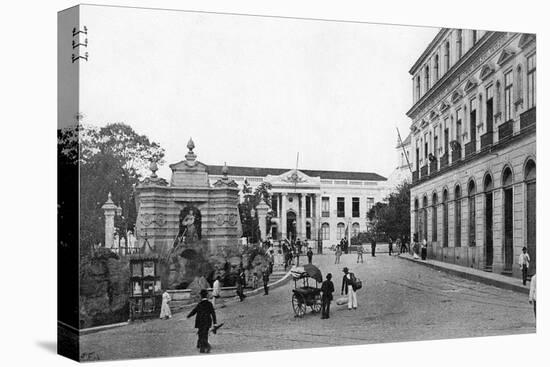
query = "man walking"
x=373 y=247
x=348 y=284
x=360 y=253
x=337 y=254
x=206 y=316
x=216 y=290
x=326 y=288
x=390 y=246
x=309 y=254
x=524 y=264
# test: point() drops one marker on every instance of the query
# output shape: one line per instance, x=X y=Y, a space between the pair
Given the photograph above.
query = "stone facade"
x=474 y=145
x=160 y=206
x=298 y=195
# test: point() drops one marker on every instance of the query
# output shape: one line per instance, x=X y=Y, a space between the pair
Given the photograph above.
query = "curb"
x=474 y=277
x=96 y=329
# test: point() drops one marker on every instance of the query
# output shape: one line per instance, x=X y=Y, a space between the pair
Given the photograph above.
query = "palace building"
x=473 y=148
x=312 y=205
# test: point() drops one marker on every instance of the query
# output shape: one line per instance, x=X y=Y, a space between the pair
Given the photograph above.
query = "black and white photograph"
x=228 y=182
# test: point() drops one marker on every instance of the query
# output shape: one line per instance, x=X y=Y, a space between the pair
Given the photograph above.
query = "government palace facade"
x=314 y=205
x=473 y=149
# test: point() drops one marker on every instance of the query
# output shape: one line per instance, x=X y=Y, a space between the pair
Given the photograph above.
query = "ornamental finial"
x=190 y=145
x=154 y=168
x=225 y=170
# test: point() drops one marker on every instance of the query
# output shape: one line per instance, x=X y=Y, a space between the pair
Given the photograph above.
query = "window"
x=308 y=206
x=340 y=231
x=474 y=37
x=417 y=88
x=370 y=204
x=447 y=56
x=354 y=229
x=435 y=146
x=325 y=231
x=340 y=207
x=436 y=68
x=489 y=109
x=427 y=78
x=531 y=81
x=426 y=146
x=458 y=125
x=508 y=96
x=325 y=207
x=446 y=141
x=458 y=44
x=445 y=219
x=308 y=231
x=473 y=119
x=519 y=84
x=355 y=207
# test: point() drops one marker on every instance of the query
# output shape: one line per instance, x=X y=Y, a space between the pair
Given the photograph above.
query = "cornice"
x=438 y=37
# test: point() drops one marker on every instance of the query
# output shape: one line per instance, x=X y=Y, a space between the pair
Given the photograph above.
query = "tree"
x=393 y=217
x=248 y=209
x=111 y=159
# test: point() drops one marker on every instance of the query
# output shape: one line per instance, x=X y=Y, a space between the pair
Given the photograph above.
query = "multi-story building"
x=310 y=204
x=474 y=148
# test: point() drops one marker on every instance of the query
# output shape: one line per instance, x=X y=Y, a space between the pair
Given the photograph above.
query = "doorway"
x=291 y=225
x=508 y=231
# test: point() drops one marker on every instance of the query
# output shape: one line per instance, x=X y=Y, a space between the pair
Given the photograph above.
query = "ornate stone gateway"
x=187 y=221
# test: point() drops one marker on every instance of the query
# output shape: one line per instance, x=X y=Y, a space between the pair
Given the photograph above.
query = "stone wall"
x=514 y=156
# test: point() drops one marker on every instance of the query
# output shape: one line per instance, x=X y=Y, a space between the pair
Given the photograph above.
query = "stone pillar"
x=317 y=215
x=283 y=215
x=302 y=217
x=110 y=210
x=262 y=210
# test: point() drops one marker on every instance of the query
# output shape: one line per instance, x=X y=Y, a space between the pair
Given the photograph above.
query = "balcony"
x=505 y=130
x=433 y=165
x=415 y=176
x=444 y=160
x=528 y=118
x=456 y=155
x=486 y=140
x=424 y=171
x=470 y=148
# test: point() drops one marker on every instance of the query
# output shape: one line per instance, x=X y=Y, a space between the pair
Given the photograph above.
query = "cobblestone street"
x=400 y=301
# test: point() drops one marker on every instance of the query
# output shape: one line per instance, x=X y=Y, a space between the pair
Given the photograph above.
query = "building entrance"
x=488 y=231
x=508 y=231
x=291 y=225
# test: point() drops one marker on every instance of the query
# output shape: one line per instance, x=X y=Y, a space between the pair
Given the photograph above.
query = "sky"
x=252 y=91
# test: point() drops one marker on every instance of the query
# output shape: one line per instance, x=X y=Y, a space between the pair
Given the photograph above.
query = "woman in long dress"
x=165 y=312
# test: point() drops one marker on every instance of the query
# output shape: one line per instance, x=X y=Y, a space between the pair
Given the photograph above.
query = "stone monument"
x=188 y=221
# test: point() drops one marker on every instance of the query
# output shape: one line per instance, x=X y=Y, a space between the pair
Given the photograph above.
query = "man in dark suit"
x=326 y=288
x=206 y=316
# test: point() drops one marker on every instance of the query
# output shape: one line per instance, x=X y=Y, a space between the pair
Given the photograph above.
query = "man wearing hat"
x=326 y=288
x=206 y=316
x=348 y=284
x=524 y=264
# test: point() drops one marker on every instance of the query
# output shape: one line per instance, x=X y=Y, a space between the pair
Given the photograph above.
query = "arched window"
x=340 y=231
x=434 y=217
x=507 y=183
x=458 y=216
x=488 y=189
x=445 y=218
x=325 y=231
x=355 y=229
x=472 y=213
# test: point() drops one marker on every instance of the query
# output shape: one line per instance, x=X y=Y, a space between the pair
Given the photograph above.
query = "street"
x=400 y=301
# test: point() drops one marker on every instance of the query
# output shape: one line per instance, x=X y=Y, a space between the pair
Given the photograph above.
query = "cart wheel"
x=316 y=307
x=298 y=306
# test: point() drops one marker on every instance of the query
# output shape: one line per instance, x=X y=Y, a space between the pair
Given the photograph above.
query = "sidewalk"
x=481 y=276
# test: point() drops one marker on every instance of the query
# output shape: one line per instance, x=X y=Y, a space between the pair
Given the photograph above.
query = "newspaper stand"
x=145 y=285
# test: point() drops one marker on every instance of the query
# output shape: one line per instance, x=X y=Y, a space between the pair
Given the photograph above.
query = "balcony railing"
x=433 y=166
x=424 y=171
x=444 y=160
x=415 y=176
x=486 y=140
x=528 y=118
x=456 y=155
x=470 y=148
x=505 y=130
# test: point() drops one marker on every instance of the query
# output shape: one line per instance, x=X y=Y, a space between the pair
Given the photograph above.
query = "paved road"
x=402 y=301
